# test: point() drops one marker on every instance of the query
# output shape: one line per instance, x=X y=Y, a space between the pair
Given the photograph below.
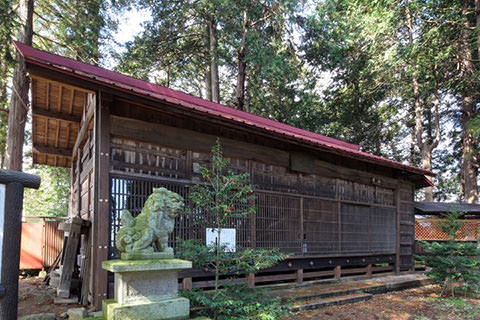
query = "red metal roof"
x=117 y=80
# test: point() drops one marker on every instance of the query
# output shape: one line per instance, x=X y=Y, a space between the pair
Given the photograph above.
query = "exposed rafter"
x=55 y=115
x=43 y=149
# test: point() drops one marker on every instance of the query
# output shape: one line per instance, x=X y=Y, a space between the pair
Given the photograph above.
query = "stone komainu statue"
x=148 y=232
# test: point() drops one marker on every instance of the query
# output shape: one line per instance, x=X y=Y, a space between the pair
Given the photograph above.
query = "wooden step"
x=330 y=301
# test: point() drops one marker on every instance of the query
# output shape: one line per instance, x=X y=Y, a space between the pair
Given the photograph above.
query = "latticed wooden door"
x=278 y=223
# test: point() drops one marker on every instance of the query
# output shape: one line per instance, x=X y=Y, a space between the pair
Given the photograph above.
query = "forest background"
x=399 y=78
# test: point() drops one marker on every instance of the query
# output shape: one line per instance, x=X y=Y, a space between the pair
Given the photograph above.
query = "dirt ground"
x=414 y=304
x=35 y=297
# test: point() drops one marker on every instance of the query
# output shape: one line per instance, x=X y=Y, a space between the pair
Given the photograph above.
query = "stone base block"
x=171 y=309
x=147 y=256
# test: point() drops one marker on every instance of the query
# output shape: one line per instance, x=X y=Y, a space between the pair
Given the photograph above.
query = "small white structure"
x=227 y=238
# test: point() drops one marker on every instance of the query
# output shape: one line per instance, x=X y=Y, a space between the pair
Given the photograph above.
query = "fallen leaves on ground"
x=35 y=297
x=413 y=304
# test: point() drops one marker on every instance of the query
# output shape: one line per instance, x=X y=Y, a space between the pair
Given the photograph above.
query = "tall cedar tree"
x=8 y=24
x=19 y=102
x=185 y=43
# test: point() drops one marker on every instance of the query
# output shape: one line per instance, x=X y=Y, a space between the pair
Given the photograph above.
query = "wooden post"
x=79 y=184
x=478 y=236
x=339 y=217
x=337 y=272
x=187 y=283
x=302 y=231
x=397 y=230
x=12 y=184
x=101 y=218
x=300 y=276
x=251 y=280
x=369 y=269
x=70 y=257
x=253 y=216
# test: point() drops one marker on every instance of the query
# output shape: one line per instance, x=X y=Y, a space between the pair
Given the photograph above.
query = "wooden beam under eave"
x=39 y=112
x=83 y=130
x=58 y=83
x=64 y=152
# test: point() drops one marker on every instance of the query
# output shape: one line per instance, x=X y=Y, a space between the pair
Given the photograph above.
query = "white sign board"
x=2 y=219
x=227 y=238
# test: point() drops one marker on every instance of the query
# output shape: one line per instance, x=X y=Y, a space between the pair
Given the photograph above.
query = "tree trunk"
x=19 y=101
x=469 y=155
x=425 y=147
x=247 y=94
x=208 y=71
x=242 y=65
x=467 y=72
x=214 y=60
x=426 y=160
x=477 y=21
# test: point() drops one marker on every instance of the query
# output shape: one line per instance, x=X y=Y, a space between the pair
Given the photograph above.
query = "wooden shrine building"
x=335 y=209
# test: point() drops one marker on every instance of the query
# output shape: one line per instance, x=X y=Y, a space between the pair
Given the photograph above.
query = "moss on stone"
x=145 y=265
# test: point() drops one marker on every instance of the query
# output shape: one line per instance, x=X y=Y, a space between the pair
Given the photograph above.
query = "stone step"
x=353 y=288
x=330 y=301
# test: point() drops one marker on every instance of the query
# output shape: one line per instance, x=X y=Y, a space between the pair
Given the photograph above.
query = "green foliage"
x=452 y=262
x=238 y=302
x=224 y=194
x=51 y=199
x=353 y=40
x=242 y=261
x=82 y=27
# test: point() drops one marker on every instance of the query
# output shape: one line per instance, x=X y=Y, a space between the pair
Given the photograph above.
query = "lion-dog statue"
x=148 y=232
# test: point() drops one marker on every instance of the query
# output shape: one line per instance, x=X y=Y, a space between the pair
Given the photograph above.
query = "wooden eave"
x=82 y=82
x=57 y=110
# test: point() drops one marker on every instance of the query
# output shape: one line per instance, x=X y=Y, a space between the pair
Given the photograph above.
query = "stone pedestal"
x=146 y=290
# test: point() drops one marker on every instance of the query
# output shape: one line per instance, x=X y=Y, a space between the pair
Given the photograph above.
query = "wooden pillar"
x=369 y=269
x=78 y=182
x=339 y=216
x=12 y=184
x=251 y=280
x=337 y=272
x=302 y=230
x=397 y=231
x=300 y=276
x=101 y=217
x=253 y=216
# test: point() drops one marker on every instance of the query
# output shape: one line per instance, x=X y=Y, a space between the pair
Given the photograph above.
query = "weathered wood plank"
x=101 y=196
x=195 y=141
x=57 y=151
x=38 y=112
x=69 y=259
x=307 y=163
x=85 y=125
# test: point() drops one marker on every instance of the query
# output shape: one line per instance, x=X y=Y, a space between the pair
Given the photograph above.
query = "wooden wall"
x=309 y=203
x=328 y=212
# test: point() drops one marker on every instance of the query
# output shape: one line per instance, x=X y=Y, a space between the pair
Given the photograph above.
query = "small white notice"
x=2 y=219
x=227 y=238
